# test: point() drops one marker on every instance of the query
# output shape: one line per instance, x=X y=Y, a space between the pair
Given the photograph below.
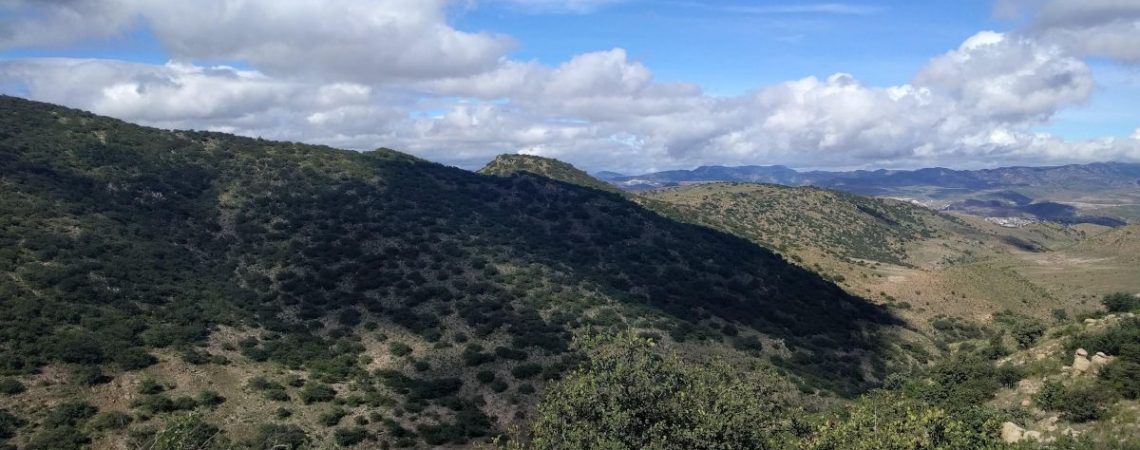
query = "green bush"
x=11 y=386
x=279 y=437
x=655 y=401
x=1123 y=376
x=1082 y=402
x=110 y=420
x=210 y=398
x=1120 y=302
x=150 y=387
x=188 y=432
x=317 y=393
x=890 y=422
x=526 y=371
x=399 y=349
x=9 y=424
x=59 y=438
x=485 y=376
x=332 y=417
x=72 y=413
x=347 y=437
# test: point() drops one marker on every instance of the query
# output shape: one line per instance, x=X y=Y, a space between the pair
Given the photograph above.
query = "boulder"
x=1081 y=364
x=1099 y=360
x=1090 y=321
x=1082 y=353
x=1011 y=433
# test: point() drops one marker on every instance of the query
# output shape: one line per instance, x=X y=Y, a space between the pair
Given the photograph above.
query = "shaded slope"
x=119 y=239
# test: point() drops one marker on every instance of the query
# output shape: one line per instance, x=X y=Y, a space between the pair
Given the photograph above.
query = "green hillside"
x=506 y=165
x=844 y=226
x=421 y=304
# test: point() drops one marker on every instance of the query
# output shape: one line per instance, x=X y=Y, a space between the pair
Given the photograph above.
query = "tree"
x=1027 y=331
x=631 y=396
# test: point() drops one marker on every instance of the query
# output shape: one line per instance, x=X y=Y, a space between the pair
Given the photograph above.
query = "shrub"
x=1120 y=302
x=279 y=437
x=1123 y=376
x=59 y=438
x=485 y=376
x=888 y=421
x=1026 y=332
x=70 y=413
x=134 y=358
x=399 y=349
x=317 y=393
x=526 y=371
x=190 y=431
x=150 y=387
x=9 y=424
x=347 y=437
x=111 y=420
x=210 y=398
x=11 y=386
x=1078 y=403
x=650 y=399
x=332 y=417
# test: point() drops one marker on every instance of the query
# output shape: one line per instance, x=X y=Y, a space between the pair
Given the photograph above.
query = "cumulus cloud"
x=1009 y=78
x=977 y=105
x=1101 y=28
x=337 y=40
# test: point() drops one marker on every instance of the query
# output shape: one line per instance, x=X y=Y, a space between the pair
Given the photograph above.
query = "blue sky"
x=729 y=50
x=608 y=84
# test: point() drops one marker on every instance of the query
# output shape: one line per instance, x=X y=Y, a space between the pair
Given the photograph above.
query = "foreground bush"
x=893 y=422
x=630 y=397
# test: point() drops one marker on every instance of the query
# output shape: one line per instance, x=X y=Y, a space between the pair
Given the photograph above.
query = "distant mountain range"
x=1110 y=175
x=1100 y=193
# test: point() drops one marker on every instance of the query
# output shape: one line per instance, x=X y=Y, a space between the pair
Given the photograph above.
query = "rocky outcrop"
x=1081 y=363
x=1011 y=433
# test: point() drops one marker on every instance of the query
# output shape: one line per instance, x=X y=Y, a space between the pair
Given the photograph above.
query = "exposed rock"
x=1031 y=435
x=1081 y=364
x=1099 y=360
x=1082 y=353
x=1090 y=321
x=1011 y=433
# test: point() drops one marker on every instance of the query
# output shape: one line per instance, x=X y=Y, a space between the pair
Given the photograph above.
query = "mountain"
x=1100 y=193
x=921 y=262
x=506 y=165
x=145 y=272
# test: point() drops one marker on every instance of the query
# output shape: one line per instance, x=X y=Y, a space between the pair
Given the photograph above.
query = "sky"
x=631 y=86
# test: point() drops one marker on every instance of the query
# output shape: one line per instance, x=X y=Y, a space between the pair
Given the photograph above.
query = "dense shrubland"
x=120 y=243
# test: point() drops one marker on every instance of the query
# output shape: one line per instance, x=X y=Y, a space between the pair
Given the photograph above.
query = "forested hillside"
x=429 y=303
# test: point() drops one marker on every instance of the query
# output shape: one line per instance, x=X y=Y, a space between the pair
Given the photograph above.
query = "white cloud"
x=339 y=40
x=976 y=105
x=561 y=6
x=1009 y=78
x=1100 y=28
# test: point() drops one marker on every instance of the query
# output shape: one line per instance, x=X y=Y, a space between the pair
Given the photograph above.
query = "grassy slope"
x=119 y=240
x=902 y=254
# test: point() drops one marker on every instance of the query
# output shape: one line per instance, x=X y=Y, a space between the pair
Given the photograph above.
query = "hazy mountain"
x=1090 y=193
